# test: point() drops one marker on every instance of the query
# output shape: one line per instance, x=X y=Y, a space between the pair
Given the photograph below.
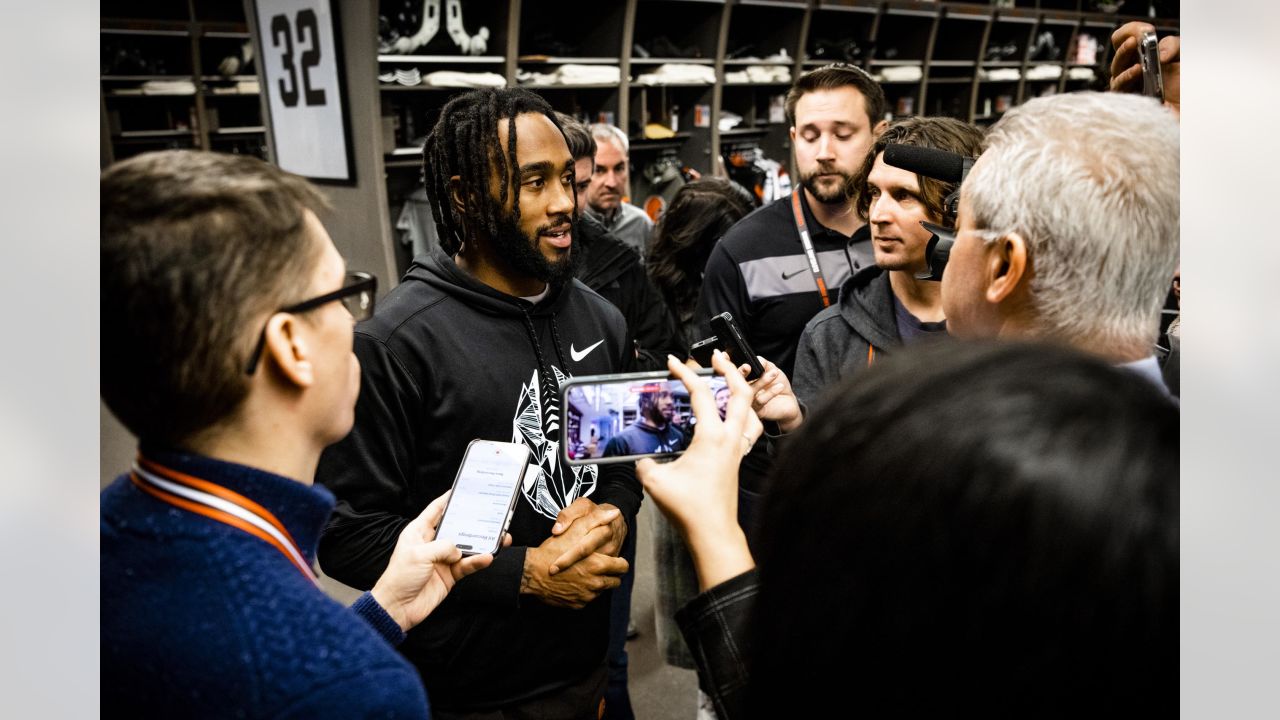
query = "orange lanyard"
x=218 y=503
x=807 y=244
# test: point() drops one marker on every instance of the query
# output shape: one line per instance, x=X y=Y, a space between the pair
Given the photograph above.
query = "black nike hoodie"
x=446 y=359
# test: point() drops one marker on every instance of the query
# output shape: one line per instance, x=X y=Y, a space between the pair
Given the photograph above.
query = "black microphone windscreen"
x=938 y=164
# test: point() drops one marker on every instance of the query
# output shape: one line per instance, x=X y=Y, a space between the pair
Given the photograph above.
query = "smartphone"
x=701 y=351
x=732 y=342
x=628 y=416
x=1149 y=55
x=484 y=496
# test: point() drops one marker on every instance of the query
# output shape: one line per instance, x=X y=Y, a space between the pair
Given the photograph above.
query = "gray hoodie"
x=846 y=337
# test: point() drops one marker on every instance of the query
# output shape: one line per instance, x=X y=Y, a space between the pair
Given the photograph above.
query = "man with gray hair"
x=1068 y=228
x=610 y=185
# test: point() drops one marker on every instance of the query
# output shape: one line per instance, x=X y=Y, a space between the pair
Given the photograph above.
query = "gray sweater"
x=837 y=342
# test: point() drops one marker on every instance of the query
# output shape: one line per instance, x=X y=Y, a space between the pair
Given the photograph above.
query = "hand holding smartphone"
x=484 y=496
x=413 y=584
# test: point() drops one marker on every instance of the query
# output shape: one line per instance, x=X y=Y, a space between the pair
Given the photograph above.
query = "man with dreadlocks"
x=474 y=343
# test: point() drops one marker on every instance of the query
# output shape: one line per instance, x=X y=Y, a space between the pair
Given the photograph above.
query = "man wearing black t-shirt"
x=653 y=431
x=760 y=272
x=885 y=306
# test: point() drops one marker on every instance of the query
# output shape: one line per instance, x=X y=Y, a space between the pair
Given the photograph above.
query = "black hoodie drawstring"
x=533 y=340
x=555 y=342
x=547 y=382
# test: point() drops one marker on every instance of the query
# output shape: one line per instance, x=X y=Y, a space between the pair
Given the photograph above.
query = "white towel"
x=1044 y=72
x=168 y=87
x=902 y=73
x=1000 y=74
x=453 y=78
x=670 y=73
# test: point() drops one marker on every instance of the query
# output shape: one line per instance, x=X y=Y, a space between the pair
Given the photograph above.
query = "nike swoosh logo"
x=788 y=276
x=578 y=355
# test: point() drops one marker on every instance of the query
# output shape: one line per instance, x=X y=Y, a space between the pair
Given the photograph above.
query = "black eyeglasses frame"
x=356 y=283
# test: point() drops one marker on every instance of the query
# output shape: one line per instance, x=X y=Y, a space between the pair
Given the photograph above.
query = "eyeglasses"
x=356 y=294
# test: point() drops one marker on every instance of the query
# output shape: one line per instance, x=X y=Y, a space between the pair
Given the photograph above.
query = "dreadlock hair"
x=464 y=142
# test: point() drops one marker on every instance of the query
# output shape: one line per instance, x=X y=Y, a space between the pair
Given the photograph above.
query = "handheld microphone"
x=941 y=165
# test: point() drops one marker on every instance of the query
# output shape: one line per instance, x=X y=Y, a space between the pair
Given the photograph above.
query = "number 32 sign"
x=302 y=77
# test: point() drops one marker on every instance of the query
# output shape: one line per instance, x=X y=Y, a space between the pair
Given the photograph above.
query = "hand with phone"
x=774 y=400
x=1126 y=66
x=423 y=570
x=698 y=491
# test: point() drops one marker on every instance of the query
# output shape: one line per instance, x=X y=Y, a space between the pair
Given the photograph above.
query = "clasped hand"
x=580 y=559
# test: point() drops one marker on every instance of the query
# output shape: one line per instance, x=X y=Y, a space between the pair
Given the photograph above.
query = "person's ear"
x=1008 y=267
x=288 y=349
x=791 y=132
x=879 y=129
x=456 y=196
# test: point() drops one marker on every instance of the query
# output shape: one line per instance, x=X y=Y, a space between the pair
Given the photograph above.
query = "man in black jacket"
x=610 y=267
x=474 y=343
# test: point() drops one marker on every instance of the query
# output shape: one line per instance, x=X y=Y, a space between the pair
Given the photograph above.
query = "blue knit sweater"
x=200 y=619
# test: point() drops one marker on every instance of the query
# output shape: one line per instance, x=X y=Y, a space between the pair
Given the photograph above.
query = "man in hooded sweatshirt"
x=475 y=343
x=885 y=306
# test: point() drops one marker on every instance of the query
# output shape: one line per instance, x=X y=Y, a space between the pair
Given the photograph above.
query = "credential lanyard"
x=220 y=504
x=807 y=244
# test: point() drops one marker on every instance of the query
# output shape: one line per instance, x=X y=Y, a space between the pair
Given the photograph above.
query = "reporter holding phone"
x=1126 y=67
x=227 y=320
x=992 y=553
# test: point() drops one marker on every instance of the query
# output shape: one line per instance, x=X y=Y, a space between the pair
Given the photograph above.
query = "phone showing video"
x=484 y=496
x=621 y=418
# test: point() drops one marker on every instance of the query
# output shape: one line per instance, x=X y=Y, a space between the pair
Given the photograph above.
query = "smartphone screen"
x=484 y=493
x=621 y=418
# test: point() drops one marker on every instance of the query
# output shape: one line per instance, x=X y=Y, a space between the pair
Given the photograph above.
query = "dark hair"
x=464 y=142
x=649 y=398
x=700 y=213
x=196 y=248
x=578 y=137
x=838 y=75
x=939 y=133
x=974 y=526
